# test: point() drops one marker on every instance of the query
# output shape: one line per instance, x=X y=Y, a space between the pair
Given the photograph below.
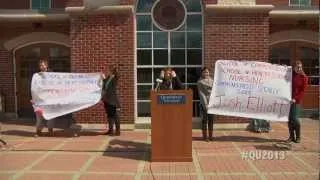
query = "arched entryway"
x=290 y=51
x=26 y=64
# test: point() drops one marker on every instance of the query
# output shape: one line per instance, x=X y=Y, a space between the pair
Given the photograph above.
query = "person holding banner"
x=299 y=85
x=40 y=121
x=168 y=80
x=205 y=84
x=111 y=101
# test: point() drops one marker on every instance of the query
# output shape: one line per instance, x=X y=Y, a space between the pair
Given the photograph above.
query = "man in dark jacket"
x=299 y=85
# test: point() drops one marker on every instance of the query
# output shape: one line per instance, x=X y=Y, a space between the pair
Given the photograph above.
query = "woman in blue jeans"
x=205 y=84
x=299 y=85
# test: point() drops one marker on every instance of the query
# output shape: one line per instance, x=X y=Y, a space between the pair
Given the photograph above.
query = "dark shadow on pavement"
x=18 y=133
x=239 y=139
x=128 y=150
x=29 y=122
x=197 y=139
x=57 y=133
x=274 y=147
x=60 y=122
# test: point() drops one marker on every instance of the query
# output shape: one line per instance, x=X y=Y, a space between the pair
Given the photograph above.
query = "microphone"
x=159 y=81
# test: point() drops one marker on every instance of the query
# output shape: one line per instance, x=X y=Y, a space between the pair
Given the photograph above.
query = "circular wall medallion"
x=168 y=15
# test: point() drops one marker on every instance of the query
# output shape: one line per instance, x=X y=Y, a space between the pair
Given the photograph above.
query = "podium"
x=171 y=126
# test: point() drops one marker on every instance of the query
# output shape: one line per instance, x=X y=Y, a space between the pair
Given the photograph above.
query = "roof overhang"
x=30 y=15
x=305 y=14
x=61 y=15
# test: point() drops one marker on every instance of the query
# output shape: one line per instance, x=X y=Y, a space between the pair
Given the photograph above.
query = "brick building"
x=87 y=36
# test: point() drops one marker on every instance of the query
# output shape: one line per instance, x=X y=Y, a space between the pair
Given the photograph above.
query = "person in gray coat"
x=111 y=101
x=205 y=84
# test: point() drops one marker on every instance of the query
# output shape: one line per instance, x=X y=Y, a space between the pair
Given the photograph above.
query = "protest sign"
x=251 y=89
x=57 y=94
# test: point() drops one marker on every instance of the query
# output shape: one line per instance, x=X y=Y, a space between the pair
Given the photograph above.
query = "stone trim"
x=294 y=35
x=295 y=14
x=32 y=16
x=53 y=37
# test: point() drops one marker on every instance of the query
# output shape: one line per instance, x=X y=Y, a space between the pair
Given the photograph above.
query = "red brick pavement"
x=96 y=156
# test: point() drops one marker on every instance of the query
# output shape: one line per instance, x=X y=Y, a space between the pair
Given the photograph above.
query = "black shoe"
x=110 y=133
x=205 y=138
x=51 y=133
x=38 y=133
x=297 y=140
x=290 y=139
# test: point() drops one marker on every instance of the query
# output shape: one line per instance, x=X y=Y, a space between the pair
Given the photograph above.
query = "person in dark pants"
x=40 y=121
x=169 y=80
x=111 y=101
x=299 y=85
x=205 y=84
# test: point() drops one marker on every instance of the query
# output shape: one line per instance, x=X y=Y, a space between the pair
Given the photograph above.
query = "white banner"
x=251 y=89
x=57 y=94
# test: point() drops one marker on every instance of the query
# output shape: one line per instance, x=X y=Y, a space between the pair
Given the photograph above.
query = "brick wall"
x=313 y=26
x=59 y=3
x=235 y=37
x=128 y=2
x=14 y=4
x=273 y=2
x=209 y=1
x=74 y=3
x=11 y=30
x=6 y=79
x=98 y=41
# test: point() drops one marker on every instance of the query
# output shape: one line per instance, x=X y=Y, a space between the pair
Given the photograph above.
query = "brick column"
x=96 y=42
x=7 y=80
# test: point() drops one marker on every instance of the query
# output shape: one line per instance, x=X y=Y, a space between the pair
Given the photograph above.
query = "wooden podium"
x=171 y=126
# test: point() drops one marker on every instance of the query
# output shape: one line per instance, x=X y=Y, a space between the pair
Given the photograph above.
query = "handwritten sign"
x=251 y=89
x=171 y=99
x=58 y=94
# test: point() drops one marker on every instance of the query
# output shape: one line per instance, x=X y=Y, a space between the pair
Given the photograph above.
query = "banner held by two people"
x=57 y=94
x=251 y=89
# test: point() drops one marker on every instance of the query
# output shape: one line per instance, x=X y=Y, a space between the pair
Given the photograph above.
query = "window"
x=180 y=48
x=42 y=5
x=299 y=2
x=280 y=56
x=310 y=61
x=308 y=56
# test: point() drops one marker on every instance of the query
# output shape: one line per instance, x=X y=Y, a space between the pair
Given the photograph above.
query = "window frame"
x=299 y=4
x=50 y=5
x=183 y=29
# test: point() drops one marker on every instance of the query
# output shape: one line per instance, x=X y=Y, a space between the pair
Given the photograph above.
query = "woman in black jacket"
x=169 y=80
x=111 y=101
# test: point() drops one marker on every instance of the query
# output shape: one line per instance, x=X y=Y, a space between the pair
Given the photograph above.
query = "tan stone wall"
x=236 y=2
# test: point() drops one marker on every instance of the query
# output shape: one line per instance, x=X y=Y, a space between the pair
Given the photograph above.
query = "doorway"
x=26 y=60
